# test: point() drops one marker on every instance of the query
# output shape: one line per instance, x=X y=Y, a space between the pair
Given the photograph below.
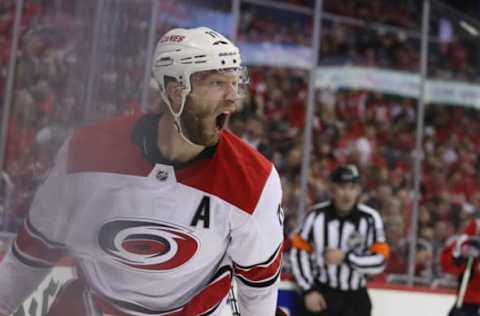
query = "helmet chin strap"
x=180 y=131
x=176 y=116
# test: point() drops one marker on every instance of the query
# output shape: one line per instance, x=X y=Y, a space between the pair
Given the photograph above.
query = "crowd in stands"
x=369 y=33
x=261 y=24
x=450 y=57
x=373 y=130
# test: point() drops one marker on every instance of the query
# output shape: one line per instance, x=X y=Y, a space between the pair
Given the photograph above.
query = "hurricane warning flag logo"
x=147 y=245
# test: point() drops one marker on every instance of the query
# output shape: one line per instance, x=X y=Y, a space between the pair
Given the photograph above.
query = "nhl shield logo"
x=162 y=175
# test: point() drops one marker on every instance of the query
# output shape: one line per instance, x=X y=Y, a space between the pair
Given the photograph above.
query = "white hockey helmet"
x=182 y=52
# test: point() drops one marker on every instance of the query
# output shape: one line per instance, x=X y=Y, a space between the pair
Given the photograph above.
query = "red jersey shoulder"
x=107 y=146
x=237 y=173
x=237 y=153
x=473 y=227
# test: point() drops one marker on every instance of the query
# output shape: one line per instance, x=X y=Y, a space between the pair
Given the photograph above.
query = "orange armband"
x=299 y=243
x=381 y=248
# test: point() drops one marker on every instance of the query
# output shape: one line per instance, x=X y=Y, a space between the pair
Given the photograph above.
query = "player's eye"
x=217 y=83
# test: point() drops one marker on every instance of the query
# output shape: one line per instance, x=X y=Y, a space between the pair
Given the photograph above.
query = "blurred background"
x=332 y=81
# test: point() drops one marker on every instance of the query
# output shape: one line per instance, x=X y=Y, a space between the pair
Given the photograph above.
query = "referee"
x=339 y=244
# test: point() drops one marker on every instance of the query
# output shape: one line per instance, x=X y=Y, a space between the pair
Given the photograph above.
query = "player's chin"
x=214 y=138
x=211 y=138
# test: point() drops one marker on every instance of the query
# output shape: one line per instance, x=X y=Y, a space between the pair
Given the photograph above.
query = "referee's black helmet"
x=345 y=174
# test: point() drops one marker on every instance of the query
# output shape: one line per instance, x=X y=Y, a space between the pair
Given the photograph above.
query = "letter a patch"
x=202 y=213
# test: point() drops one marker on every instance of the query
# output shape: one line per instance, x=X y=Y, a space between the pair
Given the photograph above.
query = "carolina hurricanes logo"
x=147 y=245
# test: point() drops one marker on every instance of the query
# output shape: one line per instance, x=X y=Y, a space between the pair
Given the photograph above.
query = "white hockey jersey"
x=153 y=238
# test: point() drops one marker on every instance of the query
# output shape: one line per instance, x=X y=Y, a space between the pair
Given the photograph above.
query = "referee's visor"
x=345 y=174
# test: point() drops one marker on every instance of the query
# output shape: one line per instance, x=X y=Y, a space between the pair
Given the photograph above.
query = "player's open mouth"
x=220 y=120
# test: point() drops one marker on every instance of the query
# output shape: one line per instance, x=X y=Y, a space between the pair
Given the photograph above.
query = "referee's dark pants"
x=342 y=303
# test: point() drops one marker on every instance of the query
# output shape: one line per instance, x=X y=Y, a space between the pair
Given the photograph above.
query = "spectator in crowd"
x=254 y=135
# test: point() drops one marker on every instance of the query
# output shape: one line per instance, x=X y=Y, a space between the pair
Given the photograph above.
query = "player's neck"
x=172 y=145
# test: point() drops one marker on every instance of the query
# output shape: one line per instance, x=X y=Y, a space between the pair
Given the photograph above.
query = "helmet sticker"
x=172 y=38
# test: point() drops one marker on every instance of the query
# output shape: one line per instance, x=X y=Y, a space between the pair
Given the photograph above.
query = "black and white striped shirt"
x=360 y=235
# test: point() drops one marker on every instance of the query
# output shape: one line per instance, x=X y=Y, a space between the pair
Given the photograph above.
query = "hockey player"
x=160 y=210
x=460 y=258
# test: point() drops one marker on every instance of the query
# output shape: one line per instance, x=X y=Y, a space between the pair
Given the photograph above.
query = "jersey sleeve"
x=256 y=251
x=37 y=245
x=301 y=254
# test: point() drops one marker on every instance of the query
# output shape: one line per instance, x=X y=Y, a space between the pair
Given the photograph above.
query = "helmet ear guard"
x=154 y=84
